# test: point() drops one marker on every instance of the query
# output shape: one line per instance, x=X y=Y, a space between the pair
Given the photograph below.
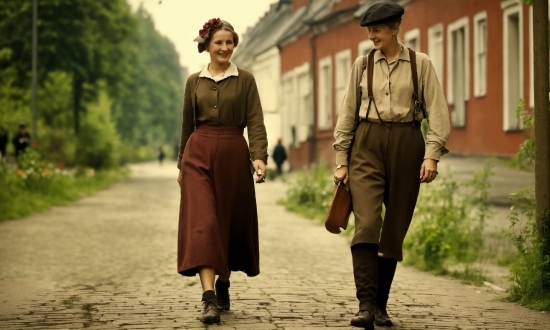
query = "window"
x=364 y=47
x=343 y=71
x=412 y=39
x=297 y=118
x=513 y=63
x=324 y=116
x=458 y=68
x=480 y=54
x=435 y=48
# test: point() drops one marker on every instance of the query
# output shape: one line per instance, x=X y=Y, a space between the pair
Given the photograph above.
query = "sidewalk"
x=108 y=262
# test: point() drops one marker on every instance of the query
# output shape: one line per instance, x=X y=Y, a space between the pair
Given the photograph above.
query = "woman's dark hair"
x=225 y=26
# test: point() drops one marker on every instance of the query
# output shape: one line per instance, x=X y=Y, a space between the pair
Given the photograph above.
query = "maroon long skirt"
x=218 y=222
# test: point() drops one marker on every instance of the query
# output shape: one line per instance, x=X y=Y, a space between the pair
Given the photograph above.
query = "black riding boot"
x=386 y=271
x=365 y=272
x=211 y=314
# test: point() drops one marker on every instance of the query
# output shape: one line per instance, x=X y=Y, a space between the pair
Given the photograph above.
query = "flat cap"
x=382 y=12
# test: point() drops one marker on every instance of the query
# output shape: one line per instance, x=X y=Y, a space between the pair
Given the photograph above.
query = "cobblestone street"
x=109 y=262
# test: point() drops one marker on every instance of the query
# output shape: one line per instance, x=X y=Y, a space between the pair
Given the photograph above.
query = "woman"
x=218 y=223
x=388 y=158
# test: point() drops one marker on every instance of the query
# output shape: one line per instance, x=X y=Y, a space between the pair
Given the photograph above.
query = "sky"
x=181 y=20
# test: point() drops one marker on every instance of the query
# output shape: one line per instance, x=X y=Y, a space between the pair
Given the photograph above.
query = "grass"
x=37 y=186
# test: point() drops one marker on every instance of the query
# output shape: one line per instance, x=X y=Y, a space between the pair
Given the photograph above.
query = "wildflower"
x=21 y=174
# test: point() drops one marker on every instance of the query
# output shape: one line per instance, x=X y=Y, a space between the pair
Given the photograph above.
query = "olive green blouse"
x=228 y=100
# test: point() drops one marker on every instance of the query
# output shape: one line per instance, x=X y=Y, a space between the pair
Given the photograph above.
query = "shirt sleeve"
x=187 y=124
x=438 y=113
x=345 y=126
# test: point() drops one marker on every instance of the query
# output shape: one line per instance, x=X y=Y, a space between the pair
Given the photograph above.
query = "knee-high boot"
x=365 y=272
x=386 y=272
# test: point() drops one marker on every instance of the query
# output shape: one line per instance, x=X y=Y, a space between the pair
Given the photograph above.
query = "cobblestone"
x=108 y=262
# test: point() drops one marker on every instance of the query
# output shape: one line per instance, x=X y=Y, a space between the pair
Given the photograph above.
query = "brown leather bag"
x=339 y=210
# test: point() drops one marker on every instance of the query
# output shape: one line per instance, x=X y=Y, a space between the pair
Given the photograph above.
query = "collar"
x=403 y=56
x=231 y=71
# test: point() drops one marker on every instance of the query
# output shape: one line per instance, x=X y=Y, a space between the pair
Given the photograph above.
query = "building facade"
x=481 y=50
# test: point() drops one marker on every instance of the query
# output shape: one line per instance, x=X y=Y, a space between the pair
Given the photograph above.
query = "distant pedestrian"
x=3 y=143
x=279 y=156
x=161 y=155
x=218 y=223
x=21 y=140
x=389 y=157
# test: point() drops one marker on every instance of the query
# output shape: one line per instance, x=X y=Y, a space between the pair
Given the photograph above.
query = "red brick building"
x=481 y=51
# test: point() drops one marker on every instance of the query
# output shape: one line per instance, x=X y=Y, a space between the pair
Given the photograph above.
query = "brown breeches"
x=385 y=169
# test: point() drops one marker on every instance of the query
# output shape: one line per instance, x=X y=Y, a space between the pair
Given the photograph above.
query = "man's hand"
x=428 y=171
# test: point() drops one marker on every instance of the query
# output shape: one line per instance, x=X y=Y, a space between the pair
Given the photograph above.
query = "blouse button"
x=215 y=107
x=386 y=93
x=214 y=89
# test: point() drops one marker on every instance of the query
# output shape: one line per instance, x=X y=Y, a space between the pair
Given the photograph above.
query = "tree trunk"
x=542 y=129
x=77 y=97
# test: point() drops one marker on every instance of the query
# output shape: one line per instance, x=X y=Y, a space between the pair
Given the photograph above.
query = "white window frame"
x=510 y=121
x=410 y=35
x=364 y=47
x=342 y=64
x=324 y=95
x=480 y=71
x=456 y=25
x=437 y=62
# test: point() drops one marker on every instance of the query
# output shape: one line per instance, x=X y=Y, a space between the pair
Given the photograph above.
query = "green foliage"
x=525 y=158
x=529 y=280
x=527 y=275
x=98 y=140
x=448 y=223
x=103 y=48
x=310 y=193
x=38 y=185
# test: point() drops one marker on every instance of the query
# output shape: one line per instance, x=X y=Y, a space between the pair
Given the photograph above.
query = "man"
x=21 y=140
x=279 y=156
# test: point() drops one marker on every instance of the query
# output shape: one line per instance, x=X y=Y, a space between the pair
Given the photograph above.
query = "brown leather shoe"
x=381 y=317
x=363 y=319
x=211 y=314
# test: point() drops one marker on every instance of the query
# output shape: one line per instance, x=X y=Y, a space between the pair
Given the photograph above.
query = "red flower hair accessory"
x=207 y=28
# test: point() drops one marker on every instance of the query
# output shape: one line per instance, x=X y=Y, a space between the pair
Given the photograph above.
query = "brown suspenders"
x=370 y=71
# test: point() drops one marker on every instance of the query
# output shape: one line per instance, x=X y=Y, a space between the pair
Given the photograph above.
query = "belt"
x=414 y=123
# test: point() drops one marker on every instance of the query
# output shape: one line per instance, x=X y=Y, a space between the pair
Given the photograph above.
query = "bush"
x=527 y=271
x=448 y=223
x=37 y=185
x=98 y=141
x=310 y=193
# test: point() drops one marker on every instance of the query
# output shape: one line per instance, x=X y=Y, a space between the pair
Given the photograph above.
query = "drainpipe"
x=313 y=137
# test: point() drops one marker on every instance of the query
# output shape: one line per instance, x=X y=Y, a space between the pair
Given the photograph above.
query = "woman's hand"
x=260 y=170
x=179 y=178
x=428 y=171
x=341 y=174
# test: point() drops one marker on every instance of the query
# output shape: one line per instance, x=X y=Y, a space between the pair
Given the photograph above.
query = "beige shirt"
x=392 y=91
x=232 y=100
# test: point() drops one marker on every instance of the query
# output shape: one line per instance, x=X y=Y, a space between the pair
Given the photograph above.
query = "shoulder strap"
x=412 y=55
x=370 y=72
x=358 y=106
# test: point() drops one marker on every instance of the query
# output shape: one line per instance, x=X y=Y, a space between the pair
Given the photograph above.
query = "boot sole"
x=384 y=324
x=210 y=319
x=361 y=324
x=224 y=308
